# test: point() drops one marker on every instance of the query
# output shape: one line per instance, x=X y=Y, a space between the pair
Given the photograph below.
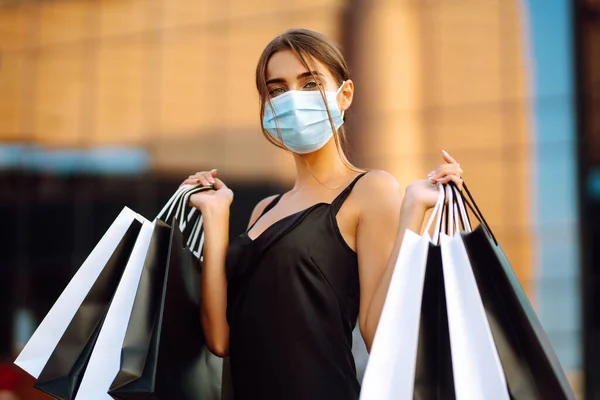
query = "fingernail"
x=438 y=180
x=212 y=181
x=445 y=152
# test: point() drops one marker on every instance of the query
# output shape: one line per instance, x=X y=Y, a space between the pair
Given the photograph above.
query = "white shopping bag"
x=390 y=372
x=105 y=360
x=40 y=346
x=476 y=366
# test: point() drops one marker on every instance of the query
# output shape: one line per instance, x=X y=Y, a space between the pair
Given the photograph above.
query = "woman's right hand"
x=214 y=206
x=218 y=199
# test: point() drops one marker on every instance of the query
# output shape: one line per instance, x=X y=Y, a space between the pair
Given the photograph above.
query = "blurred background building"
x=107 y=103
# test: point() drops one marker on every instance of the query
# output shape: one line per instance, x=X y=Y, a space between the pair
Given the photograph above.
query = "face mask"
x=302 y=119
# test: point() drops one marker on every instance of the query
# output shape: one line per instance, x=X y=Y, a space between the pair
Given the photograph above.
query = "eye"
x=312 y=85
x=276 y=91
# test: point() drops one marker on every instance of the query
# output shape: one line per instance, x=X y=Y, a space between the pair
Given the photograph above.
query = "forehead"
x=284 y=64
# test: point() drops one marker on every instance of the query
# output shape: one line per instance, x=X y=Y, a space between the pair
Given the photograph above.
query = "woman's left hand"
x=424 y=193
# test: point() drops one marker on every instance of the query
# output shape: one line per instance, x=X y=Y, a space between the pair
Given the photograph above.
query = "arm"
x=214 y=279
x=385 y=216
x=379 y=238
x=214 y=206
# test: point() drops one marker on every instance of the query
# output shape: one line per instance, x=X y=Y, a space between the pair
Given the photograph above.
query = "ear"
x=345 y=96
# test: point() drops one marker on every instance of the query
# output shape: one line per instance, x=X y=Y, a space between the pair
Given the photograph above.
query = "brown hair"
x=307 y=45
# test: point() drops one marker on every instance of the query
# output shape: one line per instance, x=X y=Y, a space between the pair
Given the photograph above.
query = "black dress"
x=293 y=297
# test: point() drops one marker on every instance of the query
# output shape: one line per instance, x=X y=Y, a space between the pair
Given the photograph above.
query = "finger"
x=449 y=168
x=193 y=178
x=459 y=183
x=203 y=178
x=444 y=179
x=457 y=180
x=219 y=184
x=446 y=170
x=439 y=172
x=454 y=178
x=190 y=182
x=448 y=158
x=210 y=177
x=206 y=178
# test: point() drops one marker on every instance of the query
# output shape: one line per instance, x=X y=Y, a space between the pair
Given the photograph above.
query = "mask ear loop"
x=336 y=94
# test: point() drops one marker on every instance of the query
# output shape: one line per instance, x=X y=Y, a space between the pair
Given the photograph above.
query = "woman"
x=283 y=298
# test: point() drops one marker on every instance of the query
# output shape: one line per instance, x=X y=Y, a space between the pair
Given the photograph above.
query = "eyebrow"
x=301 y=76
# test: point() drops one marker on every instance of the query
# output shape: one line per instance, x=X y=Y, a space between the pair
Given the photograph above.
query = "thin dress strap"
x=337 y=203
x=272 y=204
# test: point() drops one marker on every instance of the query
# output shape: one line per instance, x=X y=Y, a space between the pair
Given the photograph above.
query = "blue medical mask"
x=302 y=119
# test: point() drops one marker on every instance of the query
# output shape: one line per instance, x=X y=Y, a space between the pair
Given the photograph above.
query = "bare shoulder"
x=378 y=187
x=259 y=208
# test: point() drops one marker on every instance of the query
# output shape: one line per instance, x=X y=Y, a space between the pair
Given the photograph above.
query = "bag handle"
x=177 y=207
x=177 y=204
x=453 y=214
x=195 y=239
x=437 y=214
x=452 y=221
x=166 y=211
x=458 y=213
x=435 y=209
x=469 y=201
x=462 y=211
x=445 y=221
x=451 y=208
x=193 y=244
x=184 y=205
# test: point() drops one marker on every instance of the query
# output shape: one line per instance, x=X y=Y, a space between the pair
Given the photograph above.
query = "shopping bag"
x=77 y=307
x=476 y=366
x=64 y=343
x=396 y=339
x=390 y=374
x=164 y=354
x=62 y=373
x=151 y=248
x=105 y=348
x=479 y=337
x=164 y=348
x=434 y=379
x=140 y=333
x=532 y=368
x=104 y=361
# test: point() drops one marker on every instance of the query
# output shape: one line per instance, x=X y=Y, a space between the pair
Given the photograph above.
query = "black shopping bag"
x=164 y=348
x=139 y=336
x=532 y=369
x=433 y=370
x=62 y=373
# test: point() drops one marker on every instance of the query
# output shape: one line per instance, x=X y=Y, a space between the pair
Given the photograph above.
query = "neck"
x=322 y=167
